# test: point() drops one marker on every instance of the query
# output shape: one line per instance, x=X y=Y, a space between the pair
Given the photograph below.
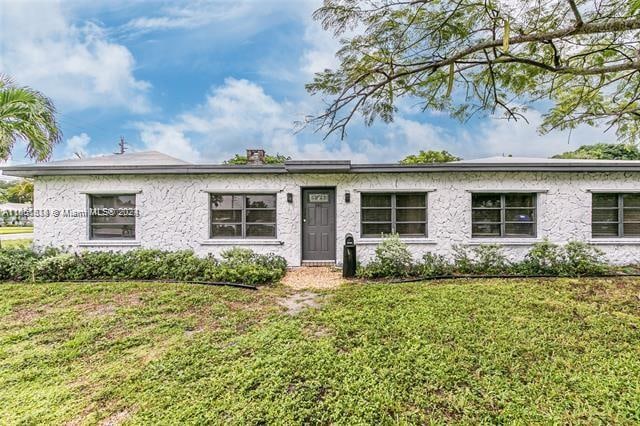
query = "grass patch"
x=4 y=230
x=550 y=351
x=23 y=242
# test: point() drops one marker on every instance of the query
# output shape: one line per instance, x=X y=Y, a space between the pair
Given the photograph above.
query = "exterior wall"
x=174 y=215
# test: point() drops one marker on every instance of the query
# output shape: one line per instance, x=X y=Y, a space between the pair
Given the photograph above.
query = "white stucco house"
x=303 y=210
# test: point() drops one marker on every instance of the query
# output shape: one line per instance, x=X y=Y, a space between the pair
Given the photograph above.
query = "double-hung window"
x=243 y=215
x=615 y=215
x=503 y=215
x=404 y=214
x=112 y=217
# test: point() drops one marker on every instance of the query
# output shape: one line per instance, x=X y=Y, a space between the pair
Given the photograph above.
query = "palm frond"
x=27 y=115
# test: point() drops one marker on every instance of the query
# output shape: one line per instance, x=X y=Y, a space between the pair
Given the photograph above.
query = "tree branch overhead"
x=450 y=55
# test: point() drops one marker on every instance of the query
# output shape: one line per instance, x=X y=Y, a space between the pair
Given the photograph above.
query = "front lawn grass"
x=23 y=242
x=497 y=351
x=15 y=230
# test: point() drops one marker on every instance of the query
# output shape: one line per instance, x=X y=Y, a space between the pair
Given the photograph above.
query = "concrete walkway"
x=7 y=237
x=313 y=277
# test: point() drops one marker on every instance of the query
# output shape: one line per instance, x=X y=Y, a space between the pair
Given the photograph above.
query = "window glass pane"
x=256 y=216
x=520 y=215
x=519 y=229
x=411 y=228
x=411 y=215
x=113 y=201
x=261 y=230
x=410 y=200
x=632 y=215
x=485 y=230
x=631 y=229
x=604 y=215
x=631 y=200
x=226 y=201
x=220 y=230
x=382 y=215
x=485 y=200
x=261 y=201
x=376 y=229
x=105 y=232
x=604 y=200
x=485 y=215
x=234 y=216
x=519 y=200
x=112 y=216
x=604 y=229
x=227 y=215
x=376 y=200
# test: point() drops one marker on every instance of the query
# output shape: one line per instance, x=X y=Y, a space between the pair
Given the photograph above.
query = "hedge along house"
x=304 y=209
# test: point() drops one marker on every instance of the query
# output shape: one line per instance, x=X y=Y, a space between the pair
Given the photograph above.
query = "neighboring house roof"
x=146 y=158
x=14 y=206
x=152 y=162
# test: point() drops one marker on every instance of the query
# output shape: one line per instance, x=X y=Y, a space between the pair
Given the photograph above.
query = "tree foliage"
x=17 y=192
x=427 y=157
x=603 y=151
x=240 y=159
x=484 y=56
x=27 y=115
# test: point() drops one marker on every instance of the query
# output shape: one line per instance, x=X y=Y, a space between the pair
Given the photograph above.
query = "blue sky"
x=204 y=79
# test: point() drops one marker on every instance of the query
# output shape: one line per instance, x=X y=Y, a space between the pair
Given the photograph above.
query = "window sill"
x=615 y=241
x=368 y=241
x=504 y=241
x=241 y=242
x=109 y=243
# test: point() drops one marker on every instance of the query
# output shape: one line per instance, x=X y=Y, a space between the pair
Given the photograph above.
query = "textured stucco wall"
x=173 y=209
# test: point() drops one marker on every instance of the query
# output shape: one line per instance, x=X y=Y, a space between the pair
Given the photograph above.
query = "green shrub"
x=544 y=258
x=486 y=259
x=489 y=259
x=60 y=267
x=433 y=265
x=573 y=259
x=144 y=263
x=17 y=263
x=242 y=265
x=237 y=265
x=392 y=259
x=181 y=265
x=462 y=260
x=104 y=265
x=582 y=259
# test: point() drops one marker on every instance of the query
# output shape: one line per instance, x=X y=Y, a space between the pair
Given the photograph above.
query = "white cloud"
x=238 y=17
x=239 y=114
x=75 y=65
x=236 y=116
x=494 y=137
x=321 y=53
x=77 y=144
x=169 y=140
x=190 y=15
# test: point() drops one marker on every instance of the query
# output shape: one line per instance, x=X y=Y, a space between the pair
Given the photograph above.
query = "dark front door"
x=318 y=224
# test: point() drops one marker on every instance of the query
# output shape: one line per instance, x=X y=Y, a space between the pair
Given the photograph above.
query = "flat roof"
x=153 y=162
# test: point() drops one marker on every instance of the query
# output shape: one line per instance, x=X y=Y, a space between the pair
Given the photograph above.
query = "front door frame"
x=335 y=220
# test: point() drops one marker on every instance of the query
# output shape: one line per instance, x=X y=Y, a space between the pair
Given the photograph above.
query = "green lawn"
x=15 y=229
x=16 y=243
x=527 y=351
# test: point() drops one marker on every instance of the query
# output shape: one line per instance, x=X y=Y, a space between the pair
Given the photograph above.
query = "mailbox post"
x=349 y=257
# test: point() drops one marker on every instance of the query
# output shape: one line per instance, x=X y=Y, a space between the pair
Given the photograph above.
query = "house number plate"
x=318 y=198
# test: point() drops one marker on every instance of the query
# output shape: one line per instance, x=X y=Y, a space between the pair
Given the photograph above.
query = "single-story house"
x=303 y=210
